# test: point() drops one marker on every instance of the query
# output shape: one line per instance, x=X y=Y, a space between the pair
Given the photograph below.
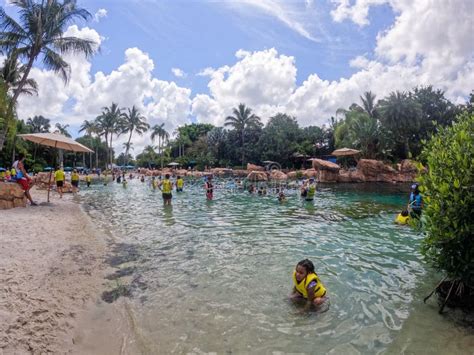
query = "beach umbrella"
x=58 y=141
x=48 y=168
x=343 y=152
x=173 y=164
x=3 y=169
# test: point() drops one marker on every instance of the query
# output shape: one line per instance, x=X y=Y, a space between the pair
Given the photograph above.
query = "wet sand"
x=51 y=273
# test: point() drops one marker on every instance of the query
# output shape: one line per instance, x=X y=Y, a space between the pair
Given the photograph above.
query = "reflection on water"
x=214 y=276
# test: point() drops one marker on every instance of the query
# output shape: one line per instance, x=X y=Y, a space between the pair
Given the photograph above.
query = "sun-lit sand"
x=51 y=270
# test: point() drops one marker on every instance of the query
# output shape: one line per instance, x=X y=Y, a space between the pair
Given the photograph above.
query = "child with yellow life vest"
x=308 y=286
x=403 y=217
x=166 y=188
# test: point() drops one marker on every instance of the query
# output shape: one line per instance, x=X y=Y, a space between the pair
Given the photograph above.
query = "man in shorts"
x=23 y=178
x=59 y=178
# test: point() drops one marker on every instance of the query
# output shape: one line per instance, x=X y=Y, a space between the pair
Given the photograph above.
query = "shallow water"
x=214 y=276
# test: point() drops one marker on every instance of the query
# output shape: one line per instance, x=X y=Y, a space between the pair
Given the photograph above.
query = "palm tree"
x=90 y=128
x=12 y=72
x=133 y=121
x=369 y=105
x=163 y=135
x=242 y=119
x=40 y=34
x=109 y=123
x=38 y=124
x=400 y=113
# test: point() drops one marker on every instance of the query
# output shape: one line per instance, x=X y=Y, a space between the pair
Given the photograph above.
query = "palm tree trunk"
x=243 y=151
x=106 y=150
x=111 y=151
x=128 y=147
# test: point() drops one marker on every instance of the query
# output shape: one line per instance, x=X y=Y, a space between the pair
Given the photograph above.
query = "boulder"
x=240 y=173
x=278 y=175
x=257 y=176
x=370 y=168
x=319 y=164
x=350 y=176
x=252 y=167
x=310 y=173
x=408 y=166
x=11 y=195
x=222 y=172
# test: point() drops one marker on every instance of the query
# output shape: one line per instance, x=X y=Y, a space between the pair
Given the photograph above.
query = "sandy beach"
x=51 y=272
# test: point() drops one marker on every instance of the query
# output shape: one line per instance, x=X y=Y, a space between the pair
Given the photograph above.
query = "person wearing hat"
x=310 y=190
x=415 y=202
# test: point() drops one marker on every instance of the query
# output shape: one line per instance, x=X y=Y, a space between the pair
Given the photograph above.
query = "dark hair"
x=167 y=176
x=307 y=264
x=21 y=156
x=179 y=177
x=405 y=213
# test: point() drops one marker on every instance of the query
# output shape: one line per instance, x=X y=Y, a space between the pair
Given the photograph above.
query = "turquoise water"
x=214 y=276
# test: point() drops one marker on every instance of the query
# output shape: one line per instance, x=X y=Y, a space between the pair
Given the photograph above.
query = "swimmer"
x=403 y=217
x=307 y=286
x=124 y=183
x=310 y=190
x=281 y=197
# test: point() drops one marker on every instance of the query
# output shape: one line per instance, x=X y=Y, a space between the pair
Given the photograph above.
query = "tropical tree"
x=216 y=141
x=369 y=105
x=62 y=129
x=39 y=124
x=400 y=115
x=90 y=128
x=108 y=124
x=159 y=131
x=242 y=119
x=133 y=121
x=12 y=72
x=39 y=35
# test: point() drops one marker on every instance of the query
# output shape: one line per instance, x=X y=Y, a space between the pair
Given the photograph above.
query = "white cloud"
x=358 y=12
x=179 y=73
x=101 y=13
x=290 y=16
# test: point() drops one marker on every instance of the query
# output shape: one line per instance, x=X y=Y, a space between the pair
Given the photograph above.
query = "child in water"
x=308 y=286
x=403 y=217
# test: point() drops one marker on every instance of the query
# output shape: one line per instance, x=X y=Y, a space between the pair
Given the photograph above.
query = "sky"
x=183 y=61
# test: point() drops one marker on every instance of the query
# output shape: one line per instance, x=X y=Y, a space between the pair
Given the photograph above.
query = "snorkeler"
x=308 y=286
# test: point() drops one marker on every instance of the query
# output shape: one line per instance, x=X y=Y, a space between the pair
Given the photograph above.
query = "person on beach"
x=59 y=177
x=179 y=184
x=88 y=180
x=308 y=286
x=166 y=188
x=403 y=217
x=415 y=202
x=209 y=188
x=74 y=181
x=23 y=178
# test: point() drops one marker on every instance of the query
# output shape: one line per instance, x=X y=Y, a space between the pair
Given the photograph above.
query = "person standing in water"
x=74 y=181
x=179 y=184
x=59 y=177
x=415 y=202
x=166 y=188
x=88 y=180
x=310 y=190
x=209 y=188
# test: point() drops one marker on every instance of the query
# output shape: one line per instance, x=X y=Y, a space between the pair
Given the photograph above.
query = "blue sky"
x=306 y=58
x=193 y=35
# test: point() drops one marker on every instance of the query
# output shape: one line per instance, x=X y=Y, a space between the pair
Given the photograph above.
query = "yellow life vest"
x=180 y=183
x=311 y=191
x=59 y=175
x=401 y=219
x=88 y=178
x=319 y=290
x=13 y=172
x=166 y=186
x=74 y=177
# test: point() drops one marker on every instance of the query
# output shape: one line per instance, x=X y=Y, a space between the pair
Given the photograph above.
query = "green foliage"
x=448 y=191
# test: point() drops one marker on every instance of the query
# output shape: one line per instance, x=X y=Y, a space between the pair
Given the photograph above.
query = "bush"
x=448 y=192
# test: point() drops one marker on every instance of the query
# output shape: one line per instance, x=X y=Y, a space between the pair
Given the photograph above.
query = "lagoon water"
x=214 y=276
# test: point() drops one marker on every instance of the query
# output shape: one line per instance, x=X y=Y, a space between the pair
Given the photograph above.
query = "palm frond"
x=56 y=63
